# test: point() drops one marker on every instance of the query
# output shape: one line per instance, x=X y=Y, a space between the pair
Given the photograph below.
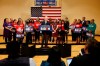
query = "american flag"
x=51 y=12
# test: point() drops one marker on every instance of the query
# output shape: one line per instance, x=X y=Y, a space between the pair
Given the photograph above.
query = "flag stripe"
x=41 y=18
x=51 y=9
x=52 y=13
x=56 y=12
x=53 y=16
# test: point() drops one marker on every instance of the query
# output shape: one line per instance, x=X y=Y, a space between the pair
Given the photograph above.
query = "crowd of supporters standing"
x=15 y=29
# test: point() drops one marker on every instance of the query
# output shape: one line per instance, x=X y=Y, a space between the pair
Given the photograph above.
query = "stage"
x=73 y=44
x=41 y=53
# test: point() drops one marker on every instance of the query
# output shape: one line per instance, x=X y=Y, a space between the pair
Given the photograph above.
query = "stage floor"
x=38 y=59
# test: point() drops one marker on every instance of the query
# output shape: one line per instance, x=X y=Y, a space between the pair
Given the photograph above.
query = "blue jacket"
x=45 y=63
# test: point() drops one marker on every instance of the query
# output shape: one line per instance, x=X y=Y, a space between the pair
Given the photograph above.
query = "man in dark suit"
x=83 y=34
x=83 y=20
x=45 y=34
x=91 y=55
x=66 y=26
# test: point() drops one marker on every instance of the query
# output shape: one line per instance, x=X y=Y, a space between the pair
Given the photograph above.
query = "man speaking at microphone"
x=45 y=28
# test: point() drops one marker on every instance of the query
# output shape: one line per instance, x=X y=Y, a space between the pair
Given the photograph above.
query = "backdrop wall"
x=70 y=8
x=79 y=8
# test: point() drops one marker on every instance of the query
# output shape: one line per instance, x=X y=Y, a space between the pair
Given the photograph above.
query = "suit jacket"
x=83 y=23
x=43 y=23
x=47 y=32
x=85 y=60
x=66 y=25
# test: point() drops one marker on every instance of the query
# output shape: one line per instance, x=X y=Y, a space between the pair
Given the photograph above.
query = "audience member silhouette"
x=90 y=56
x=54 y=58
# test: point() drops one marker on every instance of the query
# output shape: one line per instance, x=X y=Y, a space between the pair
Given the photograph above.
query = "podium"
x=45 y=28
x=45 y=33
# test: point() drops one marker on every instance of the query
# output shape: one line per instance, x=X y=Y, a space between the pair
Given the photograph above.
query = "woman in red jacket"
x=14 y=24
x=61 y=30
x=54 y=30
x=20 y=30
x=36 y=29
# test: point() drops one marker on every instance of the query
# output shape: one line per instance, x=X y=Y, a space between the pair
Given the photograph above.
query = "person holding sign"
x=28 y=30
x=72 y=27
x=20 y=30
x=14 y=24
x=91 y=29
x=36 y=29
x=61 y=32
x=7 y=30
x=77 y=30
x=84 y=31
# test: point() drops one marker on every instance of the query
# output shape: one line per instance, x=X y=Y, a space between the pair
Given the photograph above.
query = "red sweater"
x=20 y=28
x=78 y=25
x=61 y=26
x=36 y=25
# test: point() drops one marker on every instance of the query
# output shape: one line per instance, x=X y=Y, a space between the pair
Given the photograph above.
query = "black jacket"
x=43 y=23
x=66 y=25
x=85 y=60
x=83 y=23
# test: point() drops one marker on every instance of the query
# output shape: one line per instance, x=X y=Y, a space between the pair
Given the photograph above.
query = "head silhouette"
x=54 y=57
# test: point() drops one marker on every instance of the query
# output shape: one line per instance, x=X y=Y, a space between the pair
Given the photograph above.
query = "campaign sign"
x=84 y=29
x=45 y=28
x=89 y=34
x=19 y=35
x=77 y=30
x=45 y=2
x=28 y=29
x=72 y=27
